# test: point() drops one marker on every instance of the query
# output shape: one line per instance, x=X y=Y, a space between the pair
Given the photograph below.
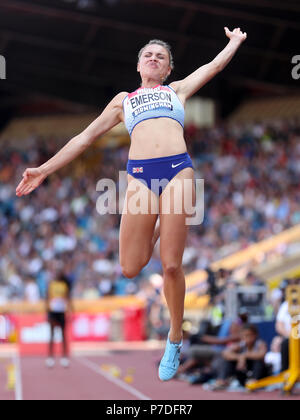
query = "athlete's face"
x=154 y=63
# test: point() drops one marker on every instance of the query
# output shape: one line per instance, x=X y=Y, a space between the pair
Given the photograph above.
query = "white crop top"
x=148 y=103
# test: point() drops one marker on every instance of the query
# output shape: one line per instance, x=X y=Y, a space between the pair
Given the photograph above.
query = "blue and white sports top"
x=148 y=103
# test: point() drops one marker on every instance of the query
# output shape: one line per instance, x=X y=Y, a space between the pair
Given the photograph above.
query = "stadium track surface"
x=88 y=378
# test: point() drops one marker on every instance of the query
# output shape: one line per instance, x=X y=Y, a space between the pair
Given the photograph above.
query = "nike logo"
x=175 y=166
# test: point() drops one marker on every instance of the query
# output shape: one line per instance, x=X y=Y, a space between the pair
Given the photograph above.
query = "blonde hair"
x=162 y=44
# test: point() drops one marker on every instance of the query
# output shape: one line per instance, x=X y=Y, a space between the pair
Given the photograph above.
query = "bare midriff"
x=159 y=137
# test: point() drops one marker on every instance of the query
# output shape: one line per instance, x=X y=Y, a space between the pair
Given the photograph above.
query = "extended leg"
x=137 y=231
x=173 y=235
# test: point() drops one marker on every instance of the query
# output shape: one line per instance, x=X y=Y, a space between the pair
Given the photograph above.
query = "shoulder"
x=116 y=104
x=175 y=86
x=119 y=98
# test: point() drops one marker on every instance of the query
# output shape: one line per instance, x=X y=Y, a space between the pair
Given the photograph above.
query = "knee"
x=132 y=271
x=172 y=269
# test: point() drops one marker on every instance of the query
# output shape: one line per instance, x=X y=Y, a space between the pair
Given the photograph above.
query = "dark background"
x=74 y=55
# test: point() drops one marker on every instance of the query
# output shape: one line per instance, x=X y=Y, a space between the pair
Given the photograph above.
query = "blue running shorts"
x=157 y=173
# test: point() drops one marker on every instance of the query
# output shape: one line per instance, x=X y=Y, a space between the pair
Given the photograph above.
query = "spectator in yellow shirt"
x=58 y=304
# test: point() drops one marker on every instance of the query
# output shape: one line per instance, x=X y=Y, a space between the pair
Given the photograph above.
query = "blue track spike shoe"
x=170 y=362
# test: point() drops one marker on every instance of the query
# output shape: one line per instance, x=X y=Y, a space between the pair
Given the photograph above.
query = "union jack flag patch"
x=138 y=170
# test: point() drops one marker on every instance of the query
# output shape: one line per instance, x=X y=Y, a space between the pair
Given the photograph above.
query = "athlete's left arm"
x=190 y=85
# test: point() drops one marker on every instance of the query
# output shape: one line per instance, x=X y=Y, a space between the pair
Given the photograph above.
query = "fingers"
x=20 y=188
x=236 y=32
x=31 y=180
x=28 y=189
x=24 y=188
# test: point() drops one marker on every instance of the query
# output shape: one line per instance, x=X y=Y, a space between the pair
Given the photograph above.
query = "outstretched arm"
x=190 y=85
x=110 y=117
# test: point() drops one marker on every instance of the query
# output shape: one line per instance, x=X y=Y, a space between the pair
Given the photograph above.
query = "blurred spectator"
x=253 y=280
x=58 y=304
x=209 y=347
x=284 y=328
x=278 y=295
x=186 y=330
x=217 y=284
x=31 y=292
x=245 y=360
x=284 y=325
x=273 y=357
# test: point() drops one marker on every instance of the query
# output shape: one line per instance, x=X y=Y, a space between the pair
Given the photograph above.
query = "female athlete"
x=154 y=117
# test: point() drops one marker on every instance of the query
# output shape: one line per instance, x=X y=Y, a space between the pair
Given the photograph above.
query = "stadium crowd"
x=236 y=352
x=252 y=192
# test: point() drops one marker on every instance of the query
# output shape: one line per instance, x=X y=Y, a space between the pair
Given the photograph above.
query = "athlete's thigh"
x=176 y=203
x=136 y=230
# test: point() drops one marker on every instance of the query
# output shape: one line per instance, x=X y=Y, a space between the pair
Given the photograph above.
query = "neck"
x=150 y=83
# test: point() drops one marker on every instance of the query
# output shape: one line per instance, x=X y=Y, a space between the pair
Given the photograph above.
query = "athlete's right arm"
x=110 y=117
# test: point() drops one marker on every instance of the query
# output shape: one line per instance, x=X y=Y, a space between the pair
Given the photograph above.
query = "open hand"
x=32 y=178
x=236 y=34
